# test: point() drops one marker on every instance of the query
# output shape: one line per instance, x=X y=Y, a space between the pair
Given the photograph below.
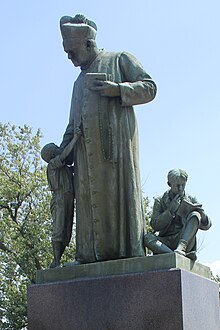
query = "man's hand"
x=174 y=205
x=106 y=88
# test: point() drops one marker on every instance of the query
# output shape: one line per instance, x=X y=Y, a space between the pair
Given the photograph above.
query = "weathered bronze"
x=109 y=214
x=60 y=180
x=176 y=219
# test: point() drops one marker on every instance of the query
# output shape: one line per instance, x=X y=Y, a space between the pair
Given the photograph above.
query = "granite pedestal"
x=167 y=299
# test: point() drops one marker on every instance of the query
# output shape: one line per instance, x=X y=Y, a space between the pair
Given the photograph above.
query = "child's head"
x=49 y=151
x=177 y=181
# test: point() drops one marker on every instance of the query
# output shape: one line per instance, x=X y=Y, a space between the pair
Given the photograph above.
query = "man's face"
x=178 y=186
x=77 y=51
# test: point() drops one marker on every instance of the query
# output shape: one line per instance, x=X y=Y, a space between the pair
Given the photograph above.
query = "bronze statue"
x=109 y=214
x=60 y=180
x=176 y=219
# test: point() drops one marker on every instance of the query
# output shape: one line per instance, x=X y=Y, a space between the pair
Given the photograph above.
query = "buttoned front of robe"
x=109 y=214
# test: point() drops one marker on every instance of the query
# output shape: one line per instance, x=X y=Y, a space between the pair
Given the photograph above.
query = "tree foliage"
x=147 y=213
x=25 y=223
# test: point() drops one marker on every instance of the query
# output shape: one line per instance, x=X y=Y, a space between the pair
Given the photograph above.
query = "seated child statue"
x=60 y=181
x=176 y=219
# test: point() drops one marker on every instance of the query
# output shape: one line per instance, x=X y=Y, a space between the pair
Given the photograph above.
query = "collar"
x=87 y=65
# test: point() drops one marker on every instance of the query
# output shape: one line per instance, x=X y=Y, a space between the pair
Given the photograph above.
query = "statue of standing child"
x=60 y=180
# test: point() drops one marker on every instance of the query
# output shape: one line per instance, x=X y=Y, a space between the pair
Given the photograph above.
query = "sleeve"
x=55 y=163
x=161 y=218
x=53 y=173
x=137 y=86
x=206 y=222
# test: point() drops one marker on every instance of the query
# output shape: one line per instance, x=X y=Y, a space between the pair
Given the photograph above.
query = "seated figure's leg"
x=152 y=242
x=188 y=237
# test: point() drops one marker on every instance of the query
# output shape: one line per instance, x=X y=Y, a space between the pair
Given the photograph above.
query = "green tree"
x=147 y=213
x=25 y=221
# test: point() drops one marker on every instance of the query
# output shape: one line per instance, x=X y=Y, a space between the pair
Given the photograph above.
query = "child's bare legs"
x=58 y=249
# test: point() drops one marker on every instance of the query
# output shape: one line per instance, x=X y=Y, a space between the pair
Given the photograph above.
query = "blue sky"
x=178 y=44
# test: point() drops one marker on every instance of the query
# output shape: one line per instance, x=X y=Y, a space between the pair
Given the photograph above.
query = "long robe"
x=109 y=213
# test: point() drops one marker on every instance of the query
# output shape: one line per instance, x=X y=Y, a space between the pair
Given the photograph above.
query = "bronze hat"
x=77 y=27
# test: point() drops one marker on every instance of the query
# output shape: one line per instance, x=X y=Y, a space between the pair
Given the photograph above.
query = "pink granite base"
x=169 y=299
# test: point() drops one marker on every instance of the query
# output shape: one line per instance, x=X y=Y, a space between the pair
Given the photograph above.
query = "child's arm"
x=66 y=151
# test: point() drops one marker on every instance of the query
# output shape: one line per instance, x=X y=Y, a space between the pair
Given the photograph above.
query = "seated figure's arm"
x=205 y=222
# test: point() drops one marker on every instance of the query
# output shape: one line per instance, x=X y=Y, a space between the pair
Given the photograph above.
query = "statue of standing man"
x=109 y=214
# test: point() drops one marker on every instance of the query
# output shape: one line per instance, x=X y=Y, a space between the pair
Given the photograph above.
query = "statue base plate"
x=122 y=266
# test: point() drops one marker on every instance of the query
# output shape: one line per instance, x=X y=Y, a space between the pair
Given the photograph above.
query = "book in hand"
x=92 y=77
x=187 y=207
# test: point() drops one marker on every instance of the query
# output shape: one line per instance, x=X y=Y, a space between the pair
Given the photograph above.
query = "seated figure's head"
x=177 y=179
x=49 y=151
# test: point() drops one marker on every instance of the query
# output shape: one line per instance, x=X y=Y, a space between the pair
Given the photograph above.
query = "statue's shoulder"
x=191 y=198
x=125 y=58
x=165 y=196
x=105 y=53
x=162 y=199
